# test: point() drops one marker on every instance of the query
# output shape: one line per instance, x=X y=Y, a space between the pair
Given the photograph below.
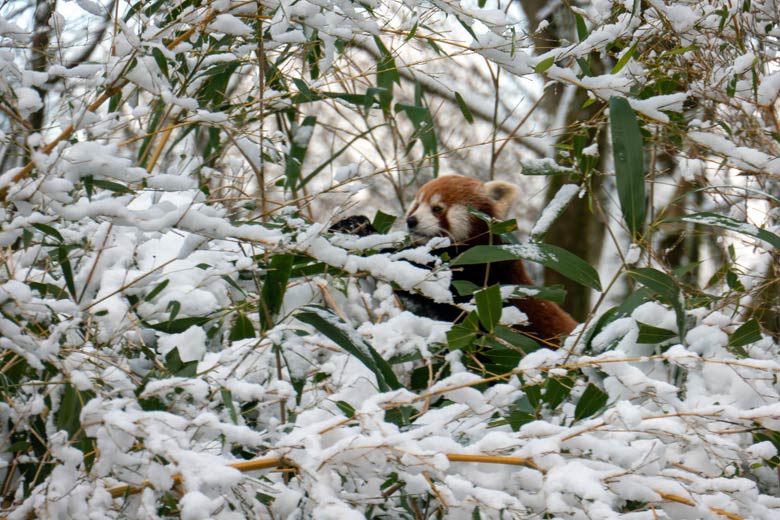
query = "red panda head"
x=441 y=208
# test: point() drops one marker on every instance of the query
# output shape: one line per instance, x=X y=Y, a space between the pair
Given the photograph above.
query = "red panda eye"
x=437 y=210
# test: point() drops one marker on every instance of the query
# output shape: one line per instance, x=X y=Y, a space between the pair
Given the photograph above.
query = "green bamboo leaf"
x=300 y=144
x=386 y=75
x=424 y=130
x=383 y=222
x=67 y=271
x=242 y=328
x=582 y=29
x=462 y=335
x=179 y=368
x=664 y=286
x=227 y=400
x=274 y=288
x=545 y=64
x=624 y=60
x=556 y=389
x=464 y=287
x=48 y=230
x=653 y=335
x=521 y=342
x=551 y=293
x=178 y=326
x=749 y=332
x=629 y=163
x=412 y=32
x=157 y=290
x=593 y=399
x=106 y=185
x=489 y=306
x=347 y=408
x=464 y=108
x=347 y=338
x=721 y=221
x=173 y=308
x=67 y=415
x=162 y=63
x=213 y=89
x=556 y=258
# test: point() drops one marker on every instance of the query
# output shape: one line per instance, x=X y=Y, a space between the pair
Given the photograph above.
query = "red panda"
x=441 y=208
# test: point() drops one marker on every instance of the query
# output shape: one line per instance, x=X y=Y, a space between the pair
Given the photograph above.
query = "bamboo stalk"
x=490 y=459
x=242 y=466
x=689 y=502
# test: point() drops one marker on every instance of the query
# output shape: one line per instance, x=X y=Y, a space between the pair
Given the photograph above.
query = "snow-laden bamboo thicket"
x=182 y=336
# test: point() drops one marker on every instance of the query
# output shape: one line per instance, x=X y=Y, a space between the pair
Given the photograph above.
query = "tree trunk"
x=578 y=229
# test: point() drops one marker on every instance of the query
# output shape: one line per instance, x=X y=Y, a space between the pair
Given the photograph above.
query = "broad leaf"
x=715 y=220
x=347 y=338
x=489 y=306
x=301 y=136
x=593 y=399
x=749 y=332
x=653 y=335
x=242 y=328
x=274 y=287
x=629 y=163
x=664 y=286
x=464 y=108
x=557 y=259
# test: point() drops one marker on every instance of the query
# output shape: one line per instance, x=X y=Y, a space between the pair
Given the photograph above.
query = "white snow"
x=554 y=208
x=229 y=24
x=191 y=344
x=103 y=252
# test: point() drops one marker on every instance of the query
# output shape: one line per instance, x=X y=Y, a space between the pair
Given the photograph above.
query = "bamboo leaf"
x=653 y=335
x=386 y=75
x=242 y=328
x=301 y=137
x=624 y=60
x=629 y=163
x=545 y=64
x=67 y=271
x=424 y=130
x=749 y=332
x=347 y=338
x=157 y=290
x=593 y=399
x=462 y=335
x=382 y=222
x=489 y=306
x=48 y=230
x=664 y=286
x=556 y=258
x=464 y=108
x=67 y=415
x=556 y=389
x=274 y=288
x=721 y=221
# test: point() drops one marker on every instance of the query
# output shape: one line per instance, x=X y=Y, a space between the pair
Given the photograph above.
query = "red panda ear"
x=503 y=194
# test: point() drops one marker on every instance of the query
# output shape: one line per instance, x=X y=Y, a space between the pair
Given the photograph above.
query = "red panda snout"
x=433 y=218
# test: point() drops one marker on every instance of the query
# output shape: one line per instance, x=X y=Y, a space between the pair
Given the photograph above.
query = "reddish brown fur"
x=456 y=189
x=547 y=321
